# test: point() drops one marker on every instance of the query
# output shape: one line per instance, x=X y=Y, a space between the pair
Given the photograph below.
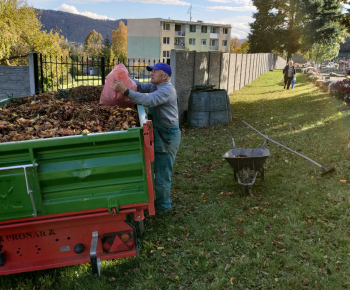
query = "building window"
x=203 y=42
x=166 y=53
x=166 y=26
x=192 y=28
x=192 y=41
x=166 y=40
x=204 y=29
x=214 y=30
x=225 y=30
x=212 y=42
x=224 y=43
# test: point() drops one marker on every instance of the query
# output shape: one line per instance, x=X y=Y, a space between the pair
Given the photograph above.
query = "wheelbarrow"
x=247 y=163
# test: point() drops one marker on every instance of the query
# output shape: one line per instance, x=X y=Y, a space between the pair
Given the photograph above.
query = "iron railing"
x=59 y=73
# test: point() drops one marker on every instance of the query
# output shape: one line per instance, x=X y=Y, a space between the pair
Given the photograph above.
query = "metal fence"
x=59 y=73
x=329 y=69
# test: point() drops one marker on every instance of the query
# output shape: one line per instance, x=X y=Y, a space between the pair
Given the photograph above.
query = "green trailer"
x=81 y=190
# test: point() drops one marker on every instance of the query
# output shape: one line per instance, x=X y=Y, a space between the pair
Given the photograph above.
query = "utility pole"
x=190 y=12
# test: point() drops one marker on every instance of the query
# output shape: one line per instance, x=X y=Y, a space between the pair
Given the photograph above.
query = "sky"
x=237 y=13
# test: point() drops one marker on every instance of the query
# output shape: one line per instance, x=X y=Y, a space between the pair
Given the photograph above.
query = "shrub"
x=318 y=83
x=341 y=90
x=310 y=69
x=348 y=71
x=324 y=87
x=313 y=76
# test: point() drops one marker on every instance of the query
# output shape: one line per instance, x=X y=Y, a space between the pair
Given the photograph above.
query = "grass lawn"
x=292 y=232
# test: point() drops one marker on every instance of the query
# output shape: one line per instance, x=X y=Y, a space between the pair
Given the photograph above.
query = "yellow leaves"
x=21 y=31
x=119 y=40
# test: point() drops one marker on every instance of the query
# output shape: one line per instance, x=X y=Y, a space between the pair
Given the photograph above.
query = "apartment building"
x=154 y=38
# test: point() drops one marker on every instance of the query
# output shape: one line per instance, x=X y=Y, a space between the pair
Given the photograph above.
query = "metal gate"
x=60 y=73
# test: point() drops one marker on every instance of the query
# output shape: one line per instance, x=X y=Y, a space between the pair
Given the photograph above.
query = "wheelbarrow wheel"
x=248 y=189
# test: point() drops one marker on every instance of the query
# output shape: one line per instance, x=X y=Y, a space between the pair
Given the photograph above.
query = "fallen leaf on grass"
x=240 y=232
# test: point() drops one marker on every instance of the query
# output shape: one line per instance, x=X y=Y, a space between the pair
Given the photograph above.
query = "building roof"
x=199 y=22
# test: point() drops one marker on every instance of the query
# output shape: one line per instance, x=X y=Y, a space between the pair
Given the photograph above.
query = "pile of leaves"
x=52 y=115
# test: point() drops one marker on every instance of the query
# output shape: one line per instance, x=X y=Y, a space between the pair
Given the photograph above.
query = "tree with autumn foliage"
x=294 y=25
x=20 y=34
x=234 y=44
x=238 y=47
x=93 y=44
x=119 y=41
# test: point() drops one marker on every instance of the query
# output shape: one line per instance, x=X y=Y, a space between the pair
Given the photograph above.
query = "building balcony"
x=180 y=33
x=180 y=46
x=214 y=47
x=214 y=35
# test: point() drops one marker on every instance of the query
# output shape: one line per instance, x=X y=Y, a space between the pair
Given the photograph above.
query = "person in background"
x=288 y=73
x=161 y=98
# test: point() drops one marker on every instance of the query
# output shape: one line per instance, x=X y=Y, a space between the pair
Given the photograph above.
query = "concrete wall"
x=14 y=81
x=227 y=71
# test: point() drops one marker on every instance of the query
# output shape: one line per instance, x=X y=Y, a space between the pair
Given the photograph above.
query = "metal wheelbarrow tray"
x=246 y=163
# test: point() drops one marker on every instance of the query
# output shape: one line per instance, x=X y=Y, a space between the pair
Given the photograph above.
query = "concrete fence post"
x=33 y=73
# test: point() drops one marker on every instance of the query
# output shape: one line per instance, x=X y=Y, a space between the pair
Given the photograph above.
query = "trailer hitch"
x=95 y=262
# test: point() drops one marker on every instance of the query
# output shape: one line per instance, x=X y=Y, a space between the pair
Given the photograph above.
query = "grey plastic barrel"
x=208 y=108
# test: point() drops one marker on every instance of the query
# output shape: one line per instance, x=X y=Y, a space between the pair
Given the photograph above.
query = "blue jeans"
x=166 y=144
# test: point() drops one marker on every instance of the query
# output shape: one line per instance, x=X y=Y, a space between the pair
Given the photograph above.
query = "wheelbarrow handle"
x=263 y=145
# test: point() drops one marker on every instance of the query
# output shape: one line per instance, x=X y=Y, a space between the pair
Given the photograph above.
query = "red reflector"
x=118 y=242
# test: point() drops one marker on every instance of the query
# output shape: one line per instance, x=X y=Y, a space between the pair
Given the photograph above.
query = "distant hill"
x=77 y=27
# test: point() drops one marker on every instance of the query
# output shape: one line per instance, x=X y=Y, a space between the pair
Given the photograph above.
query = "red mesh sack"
x=110 y=97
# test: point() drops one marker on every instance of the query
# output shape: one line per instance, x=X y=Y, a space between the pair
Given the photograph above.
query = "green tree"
x=345 y=17
x=107 y=50
x=20 y=33
x=322 y=51
x=119 y=41
x=294 y=25
x=93 y=44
